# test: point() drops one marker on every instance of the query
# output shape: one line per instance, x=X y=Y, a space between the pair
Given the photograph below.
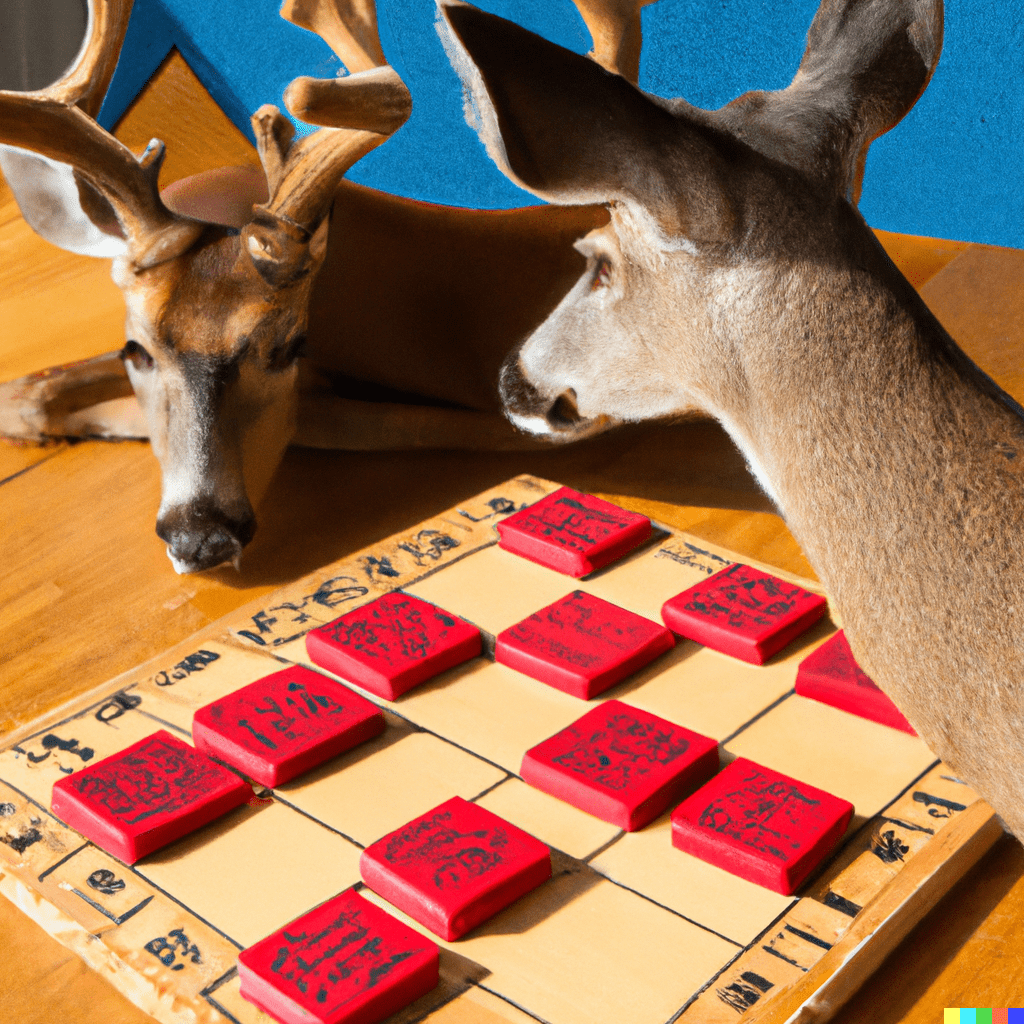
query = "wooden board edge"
x=885 y=921
x=136 y=988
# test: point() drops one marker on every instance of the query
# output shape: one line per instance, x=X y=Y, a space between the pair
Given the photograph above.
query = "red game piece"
x=146 y=796
x=832 y=676
x=455 y=866
x=572 y=533
x=743 y=612
x=284 y=724
x=393 y=644
x=621 y=764
x=581 y=644
x=761 y=825
x=345 y=962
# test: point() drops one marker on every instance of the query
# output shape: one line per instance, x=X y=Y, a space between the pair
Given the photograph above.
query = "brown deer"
x=221 y=297
x=736 y=277
x=216 y=312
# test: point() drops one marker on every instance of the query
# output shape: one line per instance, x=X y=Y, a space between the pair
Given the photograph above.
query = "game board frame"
x=801 y=976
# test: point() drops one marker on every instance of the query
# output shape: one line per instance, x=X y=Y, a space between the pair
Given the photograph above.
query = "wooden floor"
x=86 y=590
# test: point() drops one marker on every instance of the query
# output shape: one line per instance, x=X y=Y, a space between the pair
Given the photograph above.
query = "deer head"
x=706 y=206
x=216 y=312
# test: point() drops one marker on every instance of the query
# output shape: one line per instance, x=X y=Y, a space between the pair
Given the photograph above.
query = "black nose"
x=521 y=398
x=518 y=395
x=201 y=535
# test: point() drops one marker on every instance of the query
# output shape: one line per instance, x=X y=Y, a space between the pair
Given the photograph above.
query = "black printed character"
x=452 y=856
x=167 y=949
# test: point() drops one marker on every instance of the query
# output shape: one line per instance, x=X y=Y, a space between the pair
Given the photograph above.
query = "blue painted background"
x=951 y=169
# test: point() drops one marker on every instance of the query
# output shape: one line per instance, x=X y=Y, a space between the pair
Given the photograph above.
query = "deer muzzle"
x=201 y=535
x=555 y=418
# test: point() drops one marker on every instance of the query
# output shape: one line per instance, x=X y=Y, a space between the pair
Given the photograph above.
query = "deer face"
x=217 y=270
x=714 y=215
x=212 y=354
x=597 y=360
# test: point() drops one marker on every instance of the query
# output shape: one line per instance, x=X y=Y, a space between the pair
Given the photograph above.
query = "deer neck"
x=899 y=467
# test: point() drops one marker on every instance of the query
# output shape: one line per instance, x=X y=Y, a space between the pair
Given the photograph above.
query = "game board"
x=627 y=929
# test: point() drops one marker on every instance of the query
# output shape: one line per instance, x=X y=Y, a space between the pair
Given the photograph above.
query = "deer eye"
x=138 y=356
x=602 y=274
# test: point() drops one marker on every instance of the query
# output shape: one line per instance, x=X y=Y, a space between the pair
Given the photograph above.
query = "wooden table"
x=87 y=591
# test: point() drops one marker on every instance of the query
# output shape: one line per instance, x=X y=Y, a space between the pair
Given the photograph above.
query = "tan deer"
x=216 y=317
x=736 y=276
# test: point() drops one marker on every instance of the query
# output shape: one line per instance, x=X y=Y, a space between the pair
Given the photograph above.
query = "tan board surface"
x=628 y=928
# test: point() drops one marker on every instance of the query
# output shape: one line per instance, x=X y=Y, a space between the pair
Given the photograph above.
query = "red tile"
x=761 y=825
x=573 y=533
x=345 y=962
x=284 y=724
x=581 y=644
x=621 y=764
x=455 y=866
x=832 y=676
x=743 y=612
x=393 y=644
x=148 y=795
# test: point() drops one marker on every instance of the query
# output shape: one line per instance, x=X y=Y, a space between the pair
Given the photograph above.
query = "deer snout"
x=200 y=535
x=556 y=418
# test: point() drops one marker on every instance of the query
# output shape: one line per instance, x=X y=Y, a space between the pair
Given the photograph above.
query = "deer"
x=735 y=276
x=216 y=312
x=243 y=334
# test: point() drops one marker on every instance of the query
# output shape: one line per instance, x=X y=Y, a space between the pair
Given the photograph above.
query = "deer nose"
x=528 y=409
x=200 y=535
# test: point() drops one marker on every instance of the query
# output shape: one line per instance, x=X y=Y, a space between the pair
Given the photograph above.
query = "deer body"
x=736 y=277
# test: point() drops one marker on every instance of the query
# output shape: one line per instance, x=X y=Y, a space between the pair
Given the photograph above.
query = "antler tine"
x=55 y=123
x=348 y=27
x=359 y=112
x=310 y=175
x=372 y=97
x=615 y=28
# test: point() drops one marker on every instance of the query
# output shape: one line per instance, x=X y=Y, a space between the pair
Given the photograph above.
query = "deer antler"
x=359 y=111
x=615 y=28
x=117 y=193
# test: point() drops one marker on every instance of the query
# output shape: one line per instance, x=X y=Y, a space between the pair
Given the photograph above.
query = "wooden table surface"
x=87 y=591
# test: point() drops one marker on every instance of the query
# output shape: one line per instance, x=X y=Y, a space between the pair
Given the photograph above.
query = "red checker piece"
x=345 y=962
x=572 y=533
x=761 y=825
x=832 y=676
x=582 y=644
x=146 y=796
x=284 y=724
x=455 y=866
x=621 y=764
x=743 y=612
x=393 y=644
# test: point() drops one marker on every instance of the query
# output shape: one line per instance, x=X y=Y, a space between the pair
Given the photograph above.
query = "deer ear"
x=570 y=132
x=60 y=207
x=866 y=64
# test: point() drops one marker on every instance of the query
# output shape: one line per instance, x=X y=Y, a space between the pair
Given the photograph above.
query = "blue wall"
x=951 y=169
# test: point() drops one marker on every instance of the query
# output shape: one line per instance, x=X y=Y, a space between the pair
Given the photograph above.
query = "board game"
x=627 y=926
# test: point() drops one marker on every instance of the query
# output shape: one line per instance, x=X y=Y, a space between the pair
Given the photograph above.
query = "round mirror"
x=38 y=40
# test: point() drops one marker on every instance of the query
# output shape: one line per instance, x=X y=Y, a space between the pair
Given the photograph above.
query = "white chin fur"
x=536 y=425
x=184 y=569
x=180 y=567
